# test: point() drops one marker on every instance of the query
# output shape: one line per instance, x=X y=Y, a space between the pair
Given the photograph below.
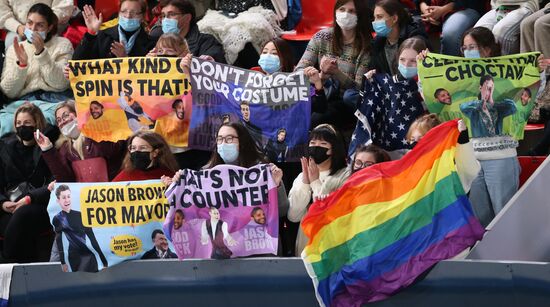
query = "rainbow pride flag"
x=389 y=223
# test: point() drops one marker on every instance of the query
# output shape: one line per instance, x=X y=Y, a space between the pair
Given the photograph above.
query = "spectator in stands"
x=405 y=104
x=322 y=172
x=368 y=155
x=13 y=15
x=174 y=126
x=178 y=16
x=535 y=31
x=74 y=155
x=235 y=146
x=128 y=38
x=535 y=34
x=33 y=70
x=24 y=195
x=455 y=18
x=498 y=179
x=148 y=157
x=170 y=45
x=504 y=19
x=342 y=54
x=479 y=42
x=393 y=25
x=276 y=56
x=466 y=164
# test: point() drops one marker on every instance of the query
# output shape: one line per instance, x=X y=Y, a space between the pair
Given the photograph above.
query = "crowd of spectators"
x=340 y=61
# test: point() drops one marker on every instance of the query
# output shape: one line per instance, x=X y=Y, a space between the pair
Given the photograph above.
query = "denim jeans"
x=454 y=27
x=496 y=183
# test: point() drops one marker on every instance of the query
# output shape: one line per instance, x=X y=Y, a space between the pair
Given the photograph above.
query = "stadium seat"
x=529 y=165
x=107 y=7
x=316 y=15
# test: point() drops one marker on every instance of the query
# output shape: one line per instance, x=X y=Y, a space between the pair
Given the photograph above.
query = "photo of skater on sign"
x=264 y=104
x=493 y=95
x=117 y=97
x=223 y=212
x=102 y=224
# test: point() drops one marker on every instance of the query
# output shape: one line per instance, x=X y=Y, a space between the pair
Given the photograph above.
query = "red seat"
x=530 y=127
x=529 y=165
x=107 y=7
x=316 y=15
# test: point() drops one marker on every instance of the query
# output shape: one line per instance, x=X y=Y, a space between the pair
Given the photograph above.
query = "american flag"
x=387 y=108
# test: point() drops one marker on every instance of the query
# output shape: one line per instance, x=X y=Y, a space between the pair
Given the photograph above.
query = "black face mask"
x=140 y=159
x=26 y=133
x=318 y=153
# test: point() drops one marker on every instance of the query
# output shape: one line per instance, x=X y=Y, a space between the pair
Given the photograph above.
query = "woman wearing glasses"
x=148 y=157
x=368 y=155
x=73 y=155
x=128 y=38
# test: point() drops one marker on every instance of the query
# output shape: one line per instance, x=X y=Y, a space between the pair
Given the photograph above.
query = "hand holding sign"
x=277 y=174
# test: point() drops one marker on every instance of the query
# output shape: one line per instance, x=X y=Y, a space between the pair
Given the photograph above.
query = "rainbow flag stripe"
x=389 y=223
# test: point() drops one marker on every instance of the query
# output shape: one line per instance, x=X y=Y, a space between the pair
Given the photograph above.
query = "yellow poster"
x=117 y=97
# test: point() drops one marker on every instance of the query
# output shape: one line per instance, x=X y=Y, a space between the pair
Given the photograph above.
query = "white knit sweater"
x=43 y=71
x=13 y=13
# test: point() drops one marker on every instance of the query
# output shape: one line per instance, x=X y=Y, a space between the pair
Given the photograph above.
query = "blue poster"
x=275 y=109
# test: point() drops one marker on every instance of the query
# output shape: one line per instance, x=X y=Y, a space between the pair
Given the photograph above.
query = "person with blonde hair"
x=73 y=153
x=467 y=165
x=170 y=45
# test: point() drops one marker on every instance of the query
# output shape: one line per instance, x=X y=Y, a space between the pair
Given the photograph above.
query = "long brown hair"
x=164 y=159
x=34 y=112
x=249 y=155
x=363 y=30
x=284 y=52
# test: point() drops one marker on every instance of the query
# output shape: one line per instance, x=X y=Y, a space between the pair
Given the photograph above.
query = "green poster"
x=494 y=95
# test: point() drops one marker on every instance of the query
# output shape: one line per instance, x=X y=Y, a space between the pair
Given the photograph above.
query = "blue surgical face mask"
x=28 y=34
x=472 y=54
x=170 y=25
x=408 y=72
x=381 y=28
x=269 y=63
x=129 y=24
x=228 y=152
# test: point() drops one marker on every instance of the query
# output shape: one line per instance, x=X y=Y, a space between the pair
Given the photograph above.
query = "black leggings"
x=27 y=234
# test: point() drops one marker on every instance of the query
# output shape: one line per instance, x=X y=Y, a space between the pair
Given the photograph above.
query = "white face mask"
x=346 y=21
x=70 y=130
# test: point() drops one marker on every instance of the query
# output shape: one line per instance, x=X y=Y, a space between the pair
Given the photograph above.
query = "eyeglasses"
x=358 y=164
x=170 y=15
x=469 y=47
x=131 y=14
x=228 y=139
x=145 y=148
x=64 y=117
